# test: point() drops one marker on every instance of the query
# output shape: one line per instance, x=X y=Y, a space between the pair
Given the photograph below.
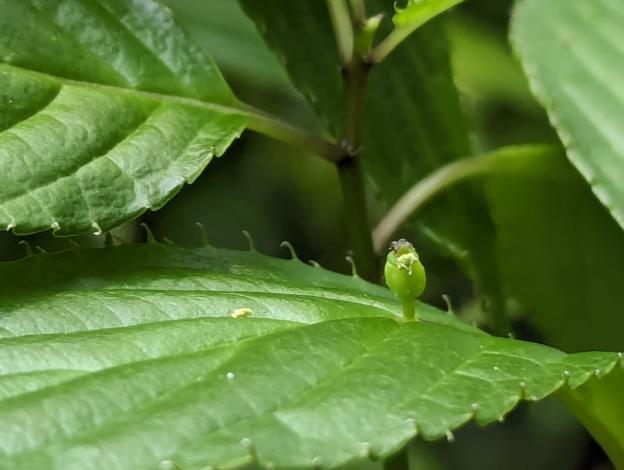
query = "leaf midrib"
x=332 y=294
x=30 y=339
x=237 y=106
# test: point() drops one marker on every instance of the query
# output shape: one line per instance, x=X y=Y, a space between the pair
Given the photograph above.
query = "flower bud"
x=405 y=275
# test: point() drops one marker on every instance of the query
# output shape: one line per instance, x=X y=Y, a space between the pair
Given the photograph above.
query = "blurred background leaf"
x=561 y=257
x=561 y=254
x=572 y=54
x=232 y=40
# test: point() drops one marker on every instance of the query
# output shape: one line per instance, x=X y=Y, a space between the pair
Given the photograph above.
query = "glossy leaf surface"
x=106 y=110
x=130 y=357
x=418 y=12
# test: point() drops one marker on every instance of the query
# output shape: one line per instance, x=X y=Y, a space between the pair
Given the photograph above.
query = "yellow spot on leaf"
x=241 y=312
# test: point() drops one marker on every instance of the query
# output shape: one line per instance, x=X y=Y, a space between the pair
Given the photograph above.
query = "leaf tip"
x=291 y=249
x=522 y=395
x=251 y=449
x=351 y=262
x=250 y=241
x=97 y=230
x=566 y=377
x=449 y=304
x=168 y=465
x=414 y=425
x=149 y=235
x=367 y=451
x=203 y=234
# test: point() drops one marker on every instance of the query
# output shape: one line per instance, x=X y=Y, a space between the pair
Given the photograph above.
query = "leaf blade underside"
x=574 y=69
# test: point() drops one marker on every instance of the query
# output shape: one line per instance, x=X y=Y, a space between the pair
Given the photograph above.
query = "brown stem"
x=350 y=168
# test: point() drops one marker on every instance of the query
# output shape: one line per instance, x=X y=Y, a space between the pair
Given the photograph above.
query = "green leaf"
x=232 y=40
x=106 y=110
x=129 y=357
x=598 y=405
x=407 y=20
x=413 y=120
x=418 y=12
x=476 y=50
x=572 y=53
x=300 y=33
x=562 y=258
x=561 y=254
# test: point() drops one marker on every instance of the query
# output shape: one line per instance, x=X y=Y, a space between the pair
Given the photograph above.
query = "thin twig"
x=442 y=178
x=404 y=28
x=341 y=21
x=350 y=171
x=275 y=128
x=358 y=10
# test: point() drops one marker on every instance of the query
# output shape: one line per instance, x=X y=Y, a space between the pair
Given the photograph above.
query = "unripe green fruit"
x=406 y=283
x=405 y=275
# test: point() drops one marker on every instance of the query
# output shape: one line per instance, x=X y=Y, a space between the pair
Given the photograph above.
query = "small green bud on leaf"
x=405 y=275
